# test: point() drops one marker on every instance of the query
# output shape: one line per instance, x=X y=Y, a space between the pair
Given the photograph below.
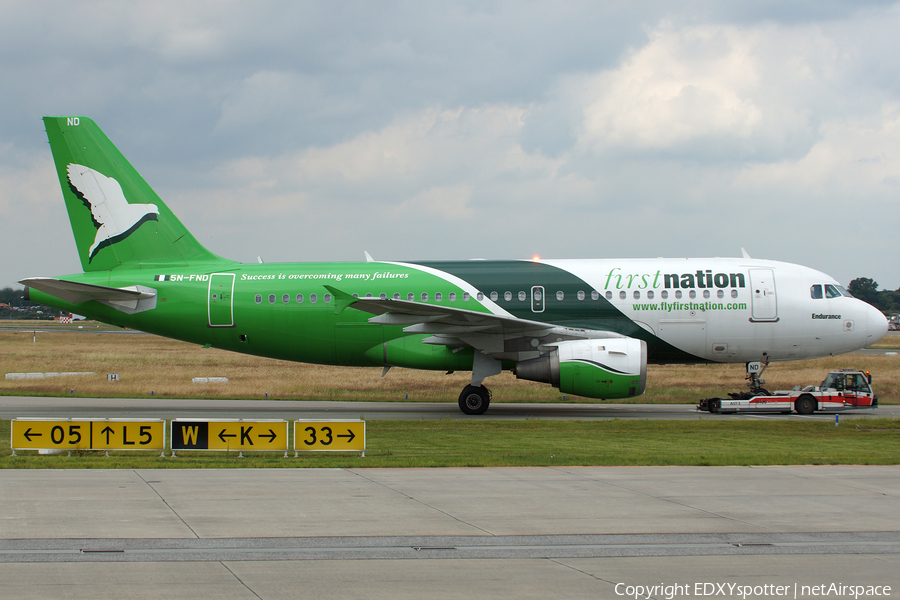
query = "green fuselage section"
x=284 y=311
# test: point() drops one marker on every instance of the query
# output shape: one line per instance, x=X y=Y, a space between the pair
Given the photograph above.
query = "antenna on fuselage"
x=368 y=257
x=744 y=252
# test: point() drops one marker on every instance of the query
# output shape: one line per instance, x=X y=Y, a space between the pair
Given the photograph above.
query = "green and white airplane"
x=588 y=327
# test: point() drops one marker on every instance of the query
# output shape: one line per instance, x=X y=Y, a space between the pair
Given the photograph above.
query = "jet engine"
x=596 y=368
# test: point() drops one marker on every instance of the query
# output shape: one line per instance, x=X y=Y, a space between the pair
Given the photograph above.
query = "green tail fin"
x=116 y=217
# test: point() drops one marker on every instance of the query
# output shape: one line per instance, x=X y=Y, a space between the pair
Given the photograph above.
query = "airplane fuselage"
x=687 y=310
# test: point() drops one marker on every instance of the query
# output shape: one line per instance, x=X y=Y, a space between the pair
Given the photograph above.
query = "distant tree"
x=12 y=297
x=888 y=302
x=865 y=289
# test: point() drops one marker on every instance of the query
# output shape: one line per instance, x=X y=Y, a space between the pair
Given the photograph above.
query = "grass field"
x=149 y=364
x=165 y=367
x=451 y=443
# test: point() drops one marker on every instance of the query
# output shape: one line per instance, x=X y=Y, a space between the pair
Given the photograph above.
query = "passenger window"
x=382 y=296
x=258 y=298
x=595 y=295
x=637 y=295
x=313 y=298
x=369 y=295
x=649 y=294
x=299 y=298
x=286 y=298
x=664 y=294
x=465 y=296
x=706 y=293
x=356 y=295
x=720 y=294
x=815 y=292
x=507 y=296
x=396 y=295
x=622 y=295
x=608 y=295
x=494 y=296
x=479 y=296
x=580 y=294
x=438 y=297
x=831 y=291
x=560 y=296
x=327 y=298
x=734 y=293
x=424 y=296
x=452 y=297
x=271 y=298
x=411 y=297
x=692 y=294
x=678 y=294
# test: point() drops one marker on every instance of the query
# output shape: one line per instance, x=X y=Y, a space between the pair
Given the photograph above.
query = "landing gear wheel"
x=805 y=405
x=474 y=400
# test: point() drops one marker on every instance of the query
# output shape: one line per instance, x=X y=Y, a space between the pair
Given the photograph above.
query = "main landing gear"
x=474 y=399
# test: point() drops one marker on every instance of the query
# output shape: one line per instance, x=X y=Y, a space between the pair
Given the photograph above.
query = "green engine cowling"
x=600 y=368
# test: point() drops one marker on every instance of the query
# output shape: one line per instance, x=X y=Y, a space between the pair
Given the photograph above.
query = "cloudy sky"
x=309 y=131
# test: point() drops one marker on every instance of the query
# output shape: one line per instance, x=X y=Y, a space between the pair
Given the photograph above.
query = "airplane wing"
x=136 y=298
x=417 y=317
x=494 y=335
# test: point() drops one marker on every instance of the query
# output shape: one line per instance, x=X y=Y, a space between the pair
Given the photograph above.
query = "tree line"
x=866 y=289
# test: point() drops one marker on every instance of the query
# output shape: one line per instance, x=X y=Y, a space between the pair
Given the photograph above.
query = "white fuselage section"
x=735 y=310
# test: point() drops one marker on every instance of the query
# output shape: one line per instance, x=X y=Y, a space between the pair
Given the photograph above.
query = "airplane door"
x=221 y=300
x=537 y=299
x=764 y=303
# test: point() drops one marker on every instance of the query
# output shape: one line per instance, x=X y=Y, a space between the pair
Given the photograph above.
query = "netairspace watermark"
x=669 y=591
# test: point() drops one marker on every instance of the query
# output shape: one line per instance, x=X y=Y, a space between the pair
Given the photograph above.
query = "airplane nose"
x=876 y=325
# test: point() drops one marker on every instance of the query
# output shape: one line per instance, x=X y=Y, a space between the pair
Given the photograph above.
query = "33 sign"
x=329 y=436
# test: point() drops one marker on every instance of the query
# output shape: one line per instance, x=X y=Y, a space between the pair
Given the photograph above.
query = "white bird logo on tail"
x=114 y=217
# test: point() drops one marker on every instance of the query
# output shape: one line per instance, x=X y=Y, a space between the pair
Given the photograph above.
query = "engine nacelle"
x=599 y=368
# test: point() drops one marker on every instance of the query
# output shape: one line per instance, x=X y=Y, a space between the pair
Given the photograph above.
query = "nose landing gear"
x=754 y=379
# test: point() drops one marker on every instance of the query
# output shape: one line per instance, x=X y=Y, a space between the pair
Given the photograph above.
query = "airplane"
x=588 y=327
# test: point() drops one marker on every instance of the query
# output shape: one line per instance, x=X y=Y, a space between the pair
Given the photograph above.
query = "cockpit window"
x=815 y=292
x=844 y=291
x=831 y=291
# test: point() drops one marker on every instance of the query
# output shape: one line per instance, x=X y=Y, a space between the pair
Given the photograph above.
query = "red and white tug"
x=842 y=390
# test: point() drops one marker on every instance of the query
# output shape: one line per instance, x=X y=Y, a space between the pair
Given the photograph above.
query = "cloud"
x=310 y=131
x=712 y=92
x=444 y=203
x=412 y=157
x=851 y=155
x=33 y=221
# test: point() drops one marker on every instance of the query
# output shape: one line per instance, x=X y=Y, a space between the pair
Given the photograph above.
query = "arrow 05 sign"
x=194 y=434
x=87 y=434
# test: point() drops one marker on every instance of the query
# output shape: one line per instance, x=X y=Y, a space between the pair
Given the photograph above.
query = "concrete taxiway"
x=445 y=533
x=46 y=407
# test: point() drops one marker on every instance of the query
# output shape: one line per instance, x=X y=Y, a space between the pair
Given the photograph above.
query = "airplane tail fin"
x=116 y=217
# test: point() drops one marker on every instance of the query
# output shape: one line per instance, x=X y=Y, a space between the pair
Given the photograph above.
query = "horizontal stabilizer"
x=133 y=299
